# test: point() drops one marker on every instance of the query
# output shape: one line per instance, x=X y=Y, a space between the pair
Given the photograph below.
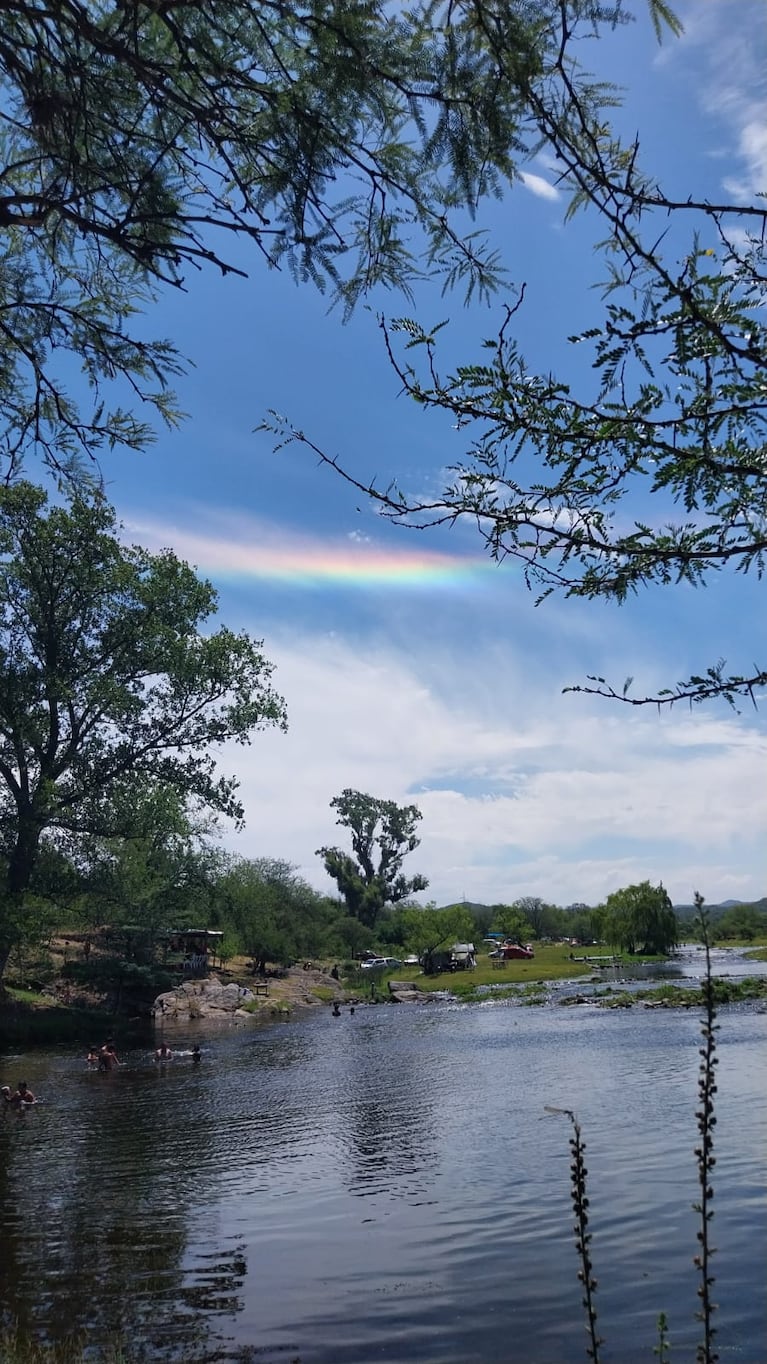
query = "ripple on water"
x=390 y=1187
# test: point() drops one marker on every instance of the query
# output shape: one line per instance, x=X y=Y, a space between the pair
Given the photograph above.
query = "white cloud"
x=538 y=186
x=733 y=86
x=520 y=792
x=453 y=700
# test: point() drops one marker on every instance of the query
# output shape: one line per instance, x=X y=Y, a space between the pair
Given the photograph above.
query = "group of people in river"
x=103 y=1058
x=99 y=1058
x=21 y=1097
x=106 y=1058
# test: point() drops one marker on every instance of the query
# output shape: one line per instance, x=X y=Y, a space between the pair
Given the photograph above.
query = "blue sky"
x=413 y=668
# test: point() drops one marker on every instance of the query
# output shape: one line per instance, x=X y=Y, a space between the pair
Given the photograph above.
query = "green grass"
x=551 y=962
x=683 y=997
x=324 y=994
x=18 y=1347
x=32 y=998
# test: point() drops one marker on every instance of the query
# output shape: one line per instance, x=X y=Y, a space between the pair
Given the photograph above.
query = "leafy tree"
x=741 y=921
x=162 y=875
x=107 y=683
x=544 y=920
x=429 y=928
x=275 y=915
x=647 y=467
x=383 y=833
x=511 y=921
x=642 y=918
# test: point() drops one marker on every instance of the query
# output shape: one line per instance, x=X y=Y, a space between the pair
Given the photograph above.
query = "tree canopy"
x=347 y=139
x=646 y=467
x=139 y=139
x=382 y=833
x=273 y=913
x=109 y=685
x=424 y=930
x=641 y=918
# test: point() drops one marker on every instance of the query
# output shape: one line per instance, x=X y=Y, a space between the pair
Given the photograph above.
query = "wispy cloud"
x=731 y=39
x=520 y=793
x=244 y=549
x=538 y=186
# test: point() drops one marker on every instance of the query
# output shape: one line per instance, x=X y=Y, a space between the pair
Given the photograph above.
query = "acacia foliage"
x=645 y=468
x=382 y=835
x=112 y=683
x=141 y=141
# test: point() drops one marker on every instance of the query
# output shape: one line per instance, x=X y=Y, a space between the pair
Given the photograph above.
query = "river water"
x=388 y=1186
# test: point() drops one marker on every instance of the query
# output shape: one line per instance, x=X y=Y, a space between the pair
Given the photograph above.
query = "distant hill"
x=716 y=911
x=683 y=911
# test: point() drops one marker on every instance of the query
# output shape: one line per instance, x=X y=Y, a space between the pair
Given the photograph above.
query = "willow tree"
x=111 y=680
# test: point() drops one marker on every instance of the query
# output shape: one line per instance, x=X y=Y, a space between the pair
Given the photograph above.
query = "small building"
x=191 y=949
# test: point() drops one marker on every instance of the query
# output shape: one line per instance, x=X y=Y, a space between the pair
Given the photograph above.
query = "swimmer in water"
x=23 y=1096
x=92 y=1059
x=163 y=1053
x=108 y=1057
x=196 y=1055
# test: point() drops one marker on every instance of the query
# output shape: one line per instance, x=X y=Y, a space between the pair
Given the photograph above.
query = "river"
x=388 y=1186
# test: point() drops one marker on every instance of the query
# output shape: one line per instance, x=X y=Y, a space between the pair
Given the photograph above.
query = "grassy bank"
x=558 y=962
x=552 y=961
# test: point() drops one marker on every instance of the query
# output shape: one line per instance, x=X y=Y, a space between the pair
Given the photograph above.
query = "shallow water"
x=388 y=1186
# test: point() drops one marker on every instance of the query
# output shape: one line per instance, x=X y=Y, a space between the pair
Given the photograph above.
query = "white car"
x=379 y=963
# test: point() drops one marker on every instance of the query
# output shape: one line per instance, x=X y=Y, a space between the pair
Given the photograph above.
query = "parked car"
x=511 y=950
x=379 y=963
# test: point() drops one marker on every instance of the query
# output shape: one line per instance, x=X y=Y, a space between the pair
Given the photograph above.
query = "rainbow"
x=249 y=552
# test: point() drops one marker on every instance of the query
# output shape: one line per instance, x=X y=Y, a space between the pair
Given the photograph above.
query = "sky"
x=413 y=668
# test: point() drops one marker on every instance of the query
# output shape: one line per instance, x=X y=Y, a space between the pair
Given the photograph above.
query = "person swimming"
x=163 y=1053
x=23 y=1096
x=108 y=1057
x=92 y=1059
x=196 y=1054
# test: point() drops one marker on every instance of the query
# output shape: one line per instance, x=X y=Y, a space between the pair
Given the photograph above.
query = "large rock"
x=407 y=992
x=202 y=999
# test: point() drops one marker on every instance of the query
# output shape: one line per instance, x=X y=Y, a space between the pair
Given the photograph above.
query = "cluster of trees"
x=348 y=141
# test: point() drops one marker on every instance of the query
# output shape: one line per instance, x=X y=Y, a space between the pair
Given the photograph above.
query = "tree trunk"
x=21 y=865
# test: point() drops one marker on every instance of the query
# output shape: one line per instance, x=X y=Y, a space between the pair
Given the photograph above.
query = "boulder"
x=407 y=992
x=207 y=998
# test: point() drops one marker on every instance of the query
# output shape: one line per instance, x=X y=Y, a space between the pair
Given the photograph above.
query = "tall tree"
x=107 y=680
x=383 y=833
x=160 y=874
x=646 y=467
x=641 y=918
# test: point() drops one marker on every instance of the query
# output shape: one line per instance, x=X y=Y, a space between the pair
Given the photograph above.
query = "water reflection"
x=97 y=1186
x=388 y=1186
